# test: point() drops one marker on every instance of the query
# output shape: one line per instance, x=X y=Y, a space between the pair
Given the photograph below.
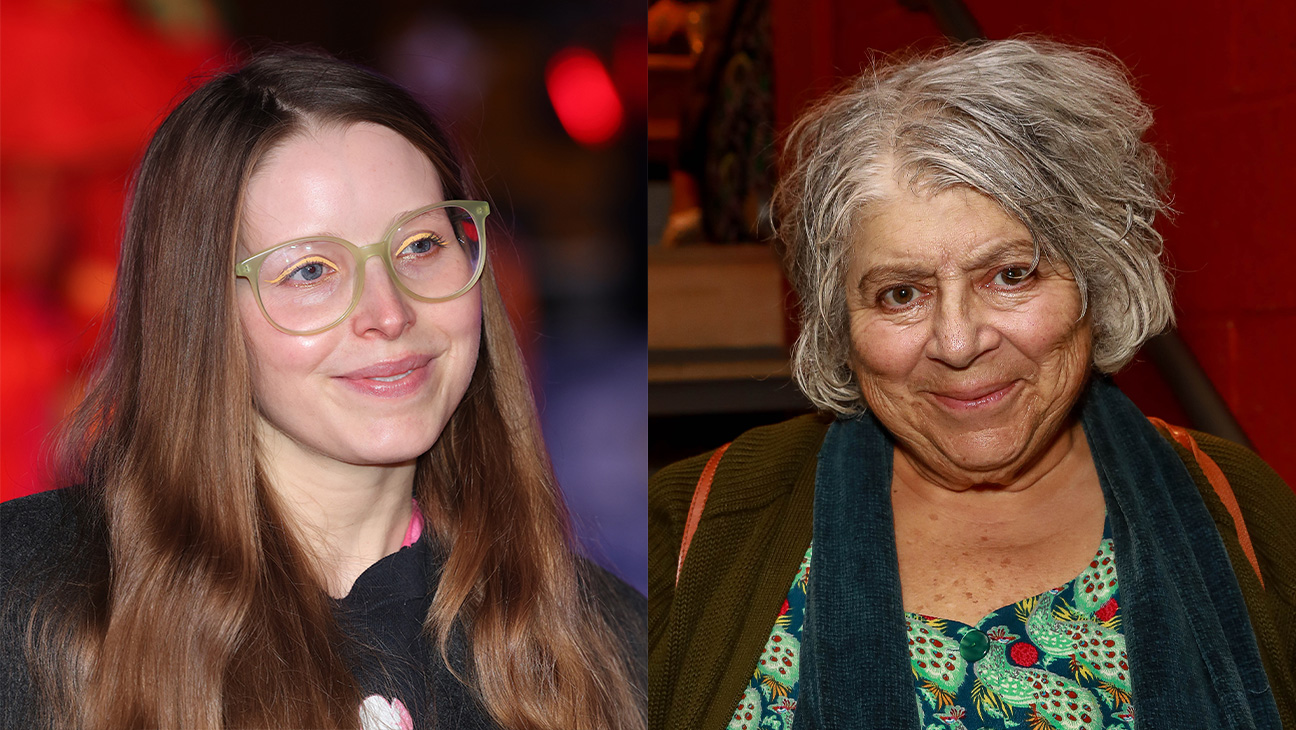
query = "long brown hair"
x=193 y=604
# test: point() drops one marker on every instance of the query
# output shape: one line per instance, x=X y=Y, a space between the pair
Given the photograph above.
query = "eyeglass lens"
x=311 y=284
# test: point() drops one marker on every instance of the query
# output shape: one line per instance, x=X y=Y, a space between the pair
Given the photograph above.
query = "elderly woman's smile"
x=970 y=236
x=969 y=353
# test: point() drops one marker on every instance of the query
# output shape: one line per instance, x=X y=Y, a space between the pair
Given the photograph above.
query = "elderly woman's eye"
x=899 y=296
x=1012 y=276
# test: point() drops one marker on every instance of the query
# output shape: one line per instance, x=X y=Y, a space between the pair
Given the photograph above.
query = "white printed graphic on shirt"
x=376 y=713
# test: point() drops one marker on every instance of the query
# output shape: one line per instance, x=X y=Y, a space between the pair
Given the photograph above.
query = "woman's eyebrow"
x=391 y=227
x=892 y=273
x=404 y=213
x=415 y=209
x=1000 y=252
x=995 y=253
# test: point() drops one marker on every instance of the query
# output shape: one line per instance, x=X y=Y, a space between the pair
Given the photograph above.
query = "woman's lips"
x=976 y=397
x=390 y=379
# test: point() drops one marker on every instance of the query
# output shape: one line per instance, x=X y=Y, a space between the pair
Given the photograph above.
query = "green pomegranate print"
x=747 y=716
x=1059 y=701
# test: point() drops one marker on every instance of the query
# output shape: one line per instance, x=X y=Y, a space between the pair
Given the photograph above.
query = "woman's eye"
x=420 y=243
x=1012 y=276
x=899 y=296
x=305 y=272
x=309 y=272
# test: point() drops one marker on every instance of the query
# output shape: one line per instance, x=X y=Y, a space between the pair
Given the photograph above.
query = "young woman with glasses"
x=311 y=490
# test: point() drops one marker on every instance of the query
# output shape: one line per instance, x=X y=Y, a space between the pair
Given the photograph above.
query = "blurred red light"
x=583 y=96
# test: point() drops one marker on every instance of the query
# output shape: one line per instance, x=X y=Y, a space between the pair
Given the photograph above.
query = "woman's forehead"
x=955 y=226
x=349 y=181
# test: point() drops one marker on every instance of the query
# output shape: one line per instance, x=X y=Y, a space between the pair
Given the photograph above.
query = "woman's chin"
x=389 y=460
x=386 y=455
x=970 y=459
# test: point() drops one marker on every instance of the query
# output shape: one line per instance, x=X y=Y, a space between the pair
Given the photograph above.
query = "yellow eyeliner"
x=297 y=266
x=436 y=239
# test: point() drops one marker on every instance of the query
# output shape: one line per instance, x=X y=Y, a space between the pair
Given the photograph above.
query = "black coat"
x=382 y=615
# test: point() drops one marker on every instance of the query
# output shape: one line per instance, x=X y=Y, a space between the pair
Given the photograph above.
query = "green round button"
x=973 y=645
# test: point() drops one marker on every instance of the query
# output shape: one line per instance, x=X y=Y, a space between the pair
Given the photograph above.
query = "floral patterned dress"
x=1053 y=661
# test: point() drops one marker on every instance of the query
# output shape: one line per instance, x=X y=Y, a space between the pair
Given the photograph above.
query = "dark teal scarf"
x=1193 y=656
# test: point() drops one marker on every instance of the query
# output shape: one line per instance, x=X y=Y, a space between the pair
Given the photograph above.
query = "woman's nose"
x=382 y=308
x=960 y=328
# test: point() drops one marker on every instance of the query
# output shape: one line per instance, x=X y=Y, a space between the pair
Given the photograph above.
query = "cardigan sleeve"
x=1268 y=508
x=669 y=494
x=705 y=638
x=762 y=466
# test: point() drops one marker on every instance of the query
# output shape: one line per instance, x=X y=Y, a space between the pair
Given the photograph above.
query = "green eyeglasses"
x=308 y=285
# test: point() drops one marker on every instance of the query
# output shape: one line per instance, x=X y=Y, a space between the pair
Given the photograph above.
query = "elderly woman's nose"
x=960 y=329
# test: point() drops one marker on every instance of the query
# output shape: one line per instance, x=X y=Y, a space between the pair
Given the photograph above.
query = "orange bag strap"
x=1220 y=484
x=700 y=493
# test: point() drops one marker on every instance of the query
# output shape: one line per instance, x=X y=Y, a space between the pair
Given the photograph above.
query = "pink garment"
x=376 y=712
x=415 y=526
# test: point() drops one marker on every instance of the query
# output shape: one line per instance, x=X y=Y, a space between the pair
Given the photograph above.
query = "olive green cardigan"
x=706 y=633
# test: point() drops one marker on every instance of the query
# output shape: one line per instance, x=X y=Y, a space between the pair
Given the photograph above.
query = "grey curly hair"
x=1051 y=132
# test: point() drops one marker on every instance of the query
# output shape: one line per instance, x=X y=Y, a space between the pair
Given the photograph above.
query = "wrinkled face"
x=379 y=387
x=970 y=359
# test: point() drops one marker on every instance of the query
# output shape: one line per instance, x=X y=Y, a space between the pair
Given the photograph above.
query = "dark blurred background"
x=726 y=77
x=546 y=98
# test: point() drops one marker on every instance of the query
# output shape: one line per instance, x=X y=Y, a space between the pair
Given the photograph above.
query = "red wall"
x=1221 y=75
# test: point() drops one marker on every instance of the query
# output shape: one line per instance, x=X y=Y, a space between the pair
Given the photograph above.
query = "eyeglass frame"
x=477 y=211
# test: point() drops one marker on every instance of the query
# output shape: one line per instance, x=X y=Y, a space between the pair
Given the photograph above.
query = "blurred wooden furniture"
x=717 y=331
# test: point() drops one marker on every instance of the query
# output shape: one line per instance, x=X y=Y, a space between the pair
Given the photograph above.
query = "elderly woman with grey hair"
x=979 y=530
